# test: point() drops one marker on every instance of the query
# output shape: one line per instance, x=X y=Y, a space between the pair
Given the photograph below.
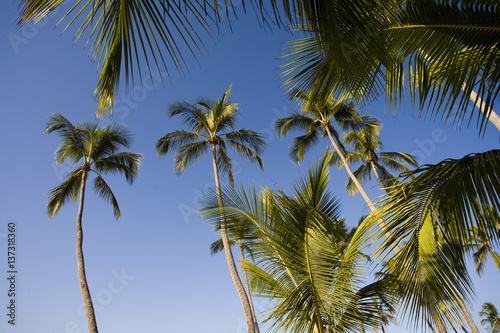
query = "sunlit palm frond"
x=430 y=218
x=192 y=116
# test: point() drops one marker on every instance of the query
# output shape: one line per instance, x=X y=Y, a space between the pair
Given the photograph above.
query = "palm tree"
x=99 y=150
x=480 y=243
x=367 y=145
x=492 y=319
x=305 y=263
x=410 y=35
x=208 y=121
x=430 y=217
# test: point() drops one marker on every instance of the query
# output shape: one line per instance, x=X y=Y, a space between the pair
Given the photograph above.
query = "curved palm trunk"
x=229 y=255
x=249 y=295
x=82 y=279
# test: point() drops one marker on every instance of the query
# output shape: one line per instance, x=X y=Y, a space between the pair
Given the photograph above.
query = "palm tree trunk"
x=478 y=101
x=249 y=295
x=356 y=182
x=82 y=279
x=229 y=254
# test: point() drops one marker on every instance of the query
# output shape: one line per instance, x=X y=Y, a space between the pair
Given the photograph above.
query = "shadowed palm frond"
x=174 y=140
x=192 y=116
x=224 y=163
x=245 y=152
x=295 y=121
x=104 y=192
x=60 y=194
x=126 y=163
x=253 y=139
x=301 y=144
x=188 y=154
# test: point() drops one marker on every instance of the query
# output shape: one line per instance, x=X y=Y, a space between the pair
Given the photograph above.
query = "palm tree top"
x=209 y=125
x=99 y=149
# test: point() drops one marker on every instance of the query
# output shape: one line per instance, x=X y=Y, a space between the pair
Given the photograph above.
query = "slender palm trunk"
x=478 y=101
x=356 y=182
x=229 y=254
x=249 y=295
x=82 y=278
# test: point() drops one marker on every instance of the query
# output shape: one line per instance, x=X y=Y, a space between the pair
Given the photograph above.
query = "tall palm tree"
x=208 y=122
x=492 y=317
x=317 y=119
x=367 y=145
x=99 y=150
x=305 y=263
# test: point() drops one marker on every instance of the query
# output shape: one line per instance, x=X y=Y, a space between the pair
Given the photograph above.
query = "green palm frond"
x=397 y=161
x=104 y=192
x=246 y=152
x=135 y=36
x=192 y=116
x=174 y=140
x=72 y=146
x=295 y=121
x=253 y=139
x=60 y=194
x=430 y=218
x=188 y=154
x=301 y=144
x=110 y=140
x=126 y=163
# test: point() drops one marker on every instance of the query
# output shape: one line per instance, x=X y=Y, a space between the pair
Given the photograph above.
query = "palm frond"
x=224 y=162
x=295 y=121
x=251 y=138
x=188 y=154
x=102 y=189
x=126 y=163
x=60 y=194
x=430 y=218
x=245 y=152
x=174 y=140
x=191 y=116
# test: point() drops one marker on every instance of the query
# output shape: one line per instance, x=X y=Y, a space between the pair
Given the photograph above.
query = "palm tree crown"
x=492 y=317
x=367 y=145
x=206 y=119
x=99 y=151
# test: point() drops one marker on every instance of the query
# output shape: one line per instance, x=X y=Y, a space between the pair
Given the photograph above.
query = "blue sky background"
x=152 y=271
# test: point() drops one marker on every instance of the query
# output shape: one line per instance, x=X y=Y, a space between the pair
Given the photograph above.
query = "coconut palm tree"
x=492 y=317
x=208 y=122
x=480 y=243
x=305 y=263
x=410 y=36
x=99 y=151
x=367 y=145
x=317 y=119
x=430 y=217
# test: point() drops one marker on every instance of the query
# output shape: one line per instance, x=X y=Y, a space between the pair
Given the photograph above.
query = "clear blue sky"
x=151 y=271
